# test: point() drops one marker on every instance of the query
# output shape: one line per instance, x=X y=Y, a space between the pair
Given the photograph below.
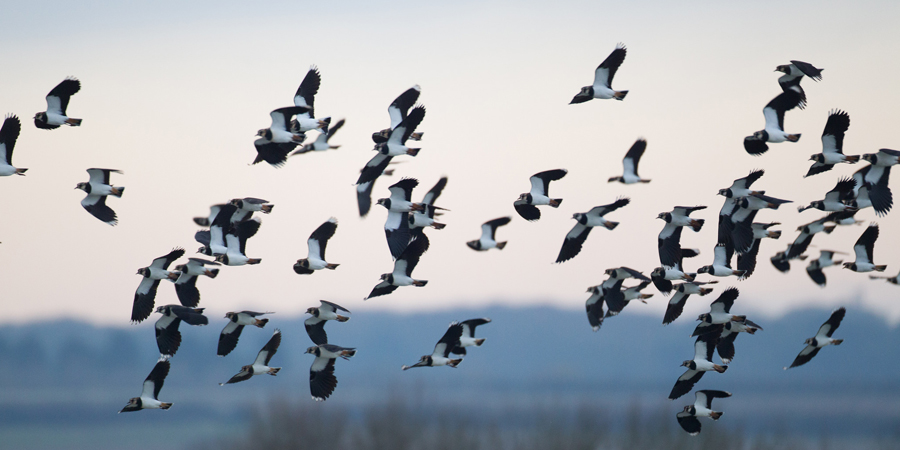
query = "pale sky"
x=173 y=95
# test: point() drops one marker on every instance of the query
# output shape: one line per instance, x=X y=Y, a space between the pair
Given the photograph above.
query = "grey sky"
x=173 y=94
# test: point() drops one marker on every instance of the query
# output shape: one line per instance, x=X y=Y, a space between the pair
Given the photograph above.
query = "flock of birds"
x=229 y=226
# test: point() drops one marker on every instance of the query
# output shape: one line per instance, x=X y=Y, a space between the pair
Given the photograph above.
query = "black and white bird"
x=168 y=338
x=237 y=320
x=632 y=293
x=145 y=295
x=208 y=220
x=403 y=267
x=774 y=129
x=397 y=111
x=57 y=102
x=280 y=131
x=260 y=366
x=305 y=97
x=247 y=206
x=835 y=198
x=821 y=339
x=364 y=193
x=399 y=205
x=594 y=307
x=149 y=398
x=663 y=276
x=746 y=208
x=729 y=333
x=669 y=239
x=441 y=354
x=468 y=339
x=213 y=240
x=425 y=218
x=739 y=188
x=872 y=190
x=807 y=231
x=527 y=203
x=832 y=144
x=825 y=259
x=747 y=261
x=186 y=284
x=315 y=325
x=98 y=188
x=487 y=240
x=274 y=153
x=630 y=164
x=720 y=267
x=704 y=347
x=321 y=373
x=235 y=253
x=864 y=250
x=611 y=288
x=702 y=407
x=682 y=292
x=584 y=223
x=793 y=73
x=395 y=145
x=322 y=141
x=9 y=133
x=315 y=259
x=603 y=76
x=720 y=309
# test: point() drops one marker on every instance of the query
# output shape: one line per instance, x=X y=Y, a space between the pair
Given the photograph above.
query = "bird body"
x=260 y=366
x=603 y=76
x=145 y=294
x=441 y=354
x=702 y=407
x=487 y=240
x=315 y=325
x=57 y=103
x=9 y=133
x=316 y=243
x=98 y=188
x=149 y=398
x=321 y=373
x=237 y=320
x=527 y=203
x=864 y=250
x=630 y=164
x=821 y=339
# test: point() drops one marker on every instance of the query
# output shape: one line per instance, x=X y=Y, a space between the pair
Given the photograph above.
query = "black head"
x=232 y=316
x=704 y=269
x=527 y=198
x=811 y=341
x=762 y=135
x=690 y=364
x=581 y=218
x=870 y=157
x=851 y=266
x=222 y=259
x=145 y=271
x=314 y=350
x=382 y=148
x=818 y=204
x=659 y=272
x=818 y=157
x=784 y=68
x=86 y=187
x=705 y=318
x=690 y=409
x=386 y=202
x=667 y=217
x=304 y=263
x=389 y=277
x=313 y=310
x=238 y=202
x=265 y=133
x=726 y=192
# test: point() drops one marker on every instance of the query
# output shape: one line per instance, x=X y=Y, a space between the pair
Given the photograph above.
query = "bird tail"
x=620 y=95
x=212 y=273
x=500 y=245
x=274 y=370
x=331 y=266
x=740 y=273
x=438 y=226
x=697 y=224
x=555 y=202
x=161 y=405
x=793 y=137
x=880 y=268
x=775 y=234
x=454 y=362
x=420 y=283
x=261 y=322
x=267 y=208
x=418 y=137
x=478 y=342
x=720 y=369
x=348 y=353
x=341 y=318
x=714 y=415
x=837 y=342
x=413 y=151
x=852 y=159
x=610 y=225
x=21 y=171
x=120 y=191
x=254 y=261
x=704 y=291
x=73 y=122
x=829 y=229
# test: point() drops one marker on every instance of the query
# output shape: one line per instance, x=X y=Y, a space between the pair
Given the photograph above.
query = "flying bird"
x=821 y=339
x=315 y=325
x=168 y=338
x=864 y=249
x=98 y=188
x=316 y=243
x=321 y=373
x=774 y=129
x=186 y=284
x=399 y=205
x=364 y=193
x=305 y=97
x=235 y=253
x=57 y=102
x=425 y=218
x=720 y=267
x=237 y=320
x=704 y=347
x=487 y=240
x=322 y=141
x=603 y=76
x=594 y=307
x=527 y=203
x=832 y=144
x=395 y=145
x=630 y=164
x=814 y=269
x=403 y=267
x=682 y=292
x=261 y=364
x=149 y=398
x=893 y=280
x=280 y=131
x=584 y=223
x=247 y=206
x=9 y=133
x=669 y=240
x=747 y=261
x=145 y=295
x=441 y=354
x=702 y=407
x=397 y=111
x=835 y=198
x=793 y=73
